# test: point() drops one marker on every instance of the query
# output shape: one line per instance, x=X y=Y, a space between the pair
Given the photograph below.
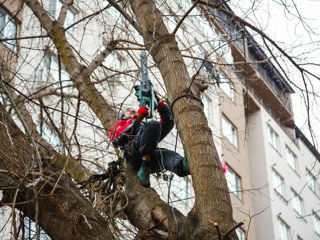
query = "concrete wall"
x=237 y=157
x=263 y=160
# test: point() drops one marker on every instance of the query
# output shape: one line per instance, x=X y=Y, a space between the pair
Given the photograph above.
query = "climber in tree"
x=139 y=141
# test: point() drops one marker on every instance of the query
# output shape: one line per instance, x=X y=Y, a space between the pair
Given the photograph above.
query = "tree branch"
x=97 y=61
x=63 y=12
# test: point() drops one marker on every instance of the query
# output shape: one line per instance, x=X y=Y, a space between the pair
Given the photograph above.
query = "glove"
x=142 y=112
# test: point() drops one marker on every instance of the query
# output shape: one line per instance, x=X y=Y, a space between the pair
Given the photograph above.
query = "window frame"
x=207 y=106
x=180 y=188
x=299 y=238
x=292 y=159
x=316 y=223
x=49 y=76
x=287 y=232
x=271 y=133
x=282 y=184
x=233 y=138
x=235 y=187
x=312 y=183
x=229 y=90
x=7 y=18
x=50 y=136
x=297 y=206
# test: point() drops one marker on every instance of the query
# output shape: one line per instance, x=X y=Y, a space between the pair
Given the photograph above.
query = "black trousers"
x=145 y=143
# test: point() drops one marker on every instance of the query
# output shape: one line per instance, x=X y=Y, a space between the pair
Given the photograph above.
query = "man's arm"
x=167 y=120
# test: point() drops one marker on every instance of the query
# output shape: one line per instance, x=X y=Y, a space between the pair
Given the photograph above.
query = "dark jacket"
x=125 y=130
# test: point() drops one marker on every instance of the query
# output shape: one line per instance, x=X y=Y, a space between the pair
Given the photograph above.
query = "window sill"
x=226 y=96
x=295 y=171
x=317 y=195
x=299 y=216
x=235 y=147
x=275 y=149
x=236 y=196
x=281 y=197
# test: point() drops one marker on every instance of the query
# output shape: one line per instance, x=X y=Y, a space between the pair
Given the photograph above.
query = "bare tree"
x=39 y=179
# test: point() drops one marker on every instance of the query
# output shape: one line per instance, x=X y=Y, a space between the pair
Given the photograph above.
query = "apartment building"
x=272 y=168
x=276 y=160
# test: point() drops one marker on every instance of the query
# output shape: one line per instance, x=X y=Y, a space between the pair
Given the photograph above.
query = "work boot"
x=186 y=165
x=144 y=176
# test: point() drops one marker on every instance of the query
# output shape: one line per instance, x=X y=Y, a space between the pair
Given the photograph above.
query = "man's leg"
x=170 y=160
x=146 y=142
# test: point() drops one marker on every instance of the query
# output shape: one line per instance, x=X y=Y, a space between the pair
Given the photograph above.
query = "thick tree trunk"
x=212 y=196
x=63 y=211
x=146 y=210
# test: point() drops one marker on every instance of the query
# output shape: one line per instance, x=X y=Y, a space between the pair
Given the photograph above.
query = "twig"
x=86 y=220
x=184 y=16
x=234 y=228
x=5 y=126
x=127 y=16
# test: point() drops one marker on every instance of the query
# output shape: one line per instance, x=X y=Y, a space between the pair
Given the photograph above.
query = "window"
x=284 y=230
x=180 y=188
x=316 y=222
x=50 y=136
x=233 y=181
x=8 y=29
x=273 y=138
x=114 y=13
x=113 y=62
x=54 y=9
x=278 y=184
x=229 y=131
x=184 y=5
x=30 y=230
x=297 y=203
x=292 y=159
x=206 y=107
x=4 y=100
x=312 y=182
x=227 y=86
x=225 y=50
x=202 y=25
x=50 y=73
x=240 y=233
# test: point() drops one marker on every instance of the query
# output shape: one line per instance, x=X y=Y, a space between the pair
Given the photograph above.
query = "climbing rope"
x=107 y=190
x=168 y=179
